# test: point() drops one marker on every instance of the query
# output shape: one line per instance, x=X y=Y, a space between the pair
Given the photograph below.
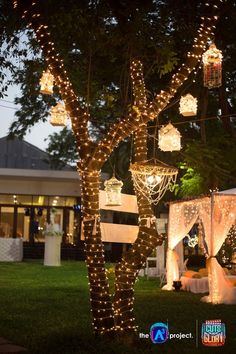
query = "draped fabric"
x=182 y=217
x=218 y=214
x=223 y=215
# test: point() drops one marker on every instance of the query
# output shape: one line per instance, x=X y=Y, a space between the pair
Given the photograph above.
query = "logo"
x=159 y=333
x=213 y=333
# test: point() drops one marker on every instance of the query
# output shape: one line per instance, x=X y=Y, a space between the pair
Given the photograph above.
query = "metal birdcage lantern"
x=169 y=138
x=113 y=191
x=212 y=67
x=58 y=115
x=152 y=178
x=188 y=105
x=46 y=83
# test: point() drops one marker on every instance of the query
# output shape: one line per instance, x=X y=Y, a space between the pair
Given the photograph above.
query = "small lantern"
x=113 y=191
x=188 y=105
x=212 y=67
x=46 y=83
x=169 y=138
x=58 y=115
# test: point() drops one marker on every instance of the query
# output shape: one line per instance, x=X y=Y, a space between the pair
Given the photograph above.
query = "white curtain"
x=217 y=222
x=182 y=217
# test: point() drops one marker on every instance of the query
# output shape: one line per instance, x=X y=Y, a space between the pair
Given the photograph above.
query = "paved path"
x=8 y=348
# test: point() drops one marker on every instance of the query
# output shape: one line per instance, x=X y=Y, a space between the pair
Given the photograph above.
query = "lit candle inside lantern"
x=46 y=83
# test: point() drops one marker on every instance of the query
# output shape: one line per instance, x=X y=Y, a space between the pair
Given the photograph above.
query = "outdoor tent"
x=217 y=214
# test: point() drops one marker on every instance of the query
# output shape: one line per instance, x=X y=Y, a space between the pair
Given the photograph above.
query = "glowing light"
x=113 y=191
x=58 y=115
x=188 y=105
x=169 y=138
x=212 y=67
x=46 y=83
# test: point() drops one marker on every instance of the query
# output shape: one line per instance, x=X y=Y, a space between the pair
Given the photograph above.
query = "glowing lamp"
x=46 y=83
x=169 y=138
x=58 y=115
x=113 y=191
x=212 y=67
x=188 y=105
x=152 y=178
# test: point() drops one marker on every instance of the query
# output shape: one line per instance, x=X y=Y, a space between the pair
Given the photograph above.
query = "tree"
x=111 y=315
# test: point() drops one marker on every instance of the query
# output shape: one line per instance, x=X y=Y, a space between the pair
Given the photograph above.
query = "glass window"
x=57 y=201
x=40 y=200
x=23 y=221
x=6 y=221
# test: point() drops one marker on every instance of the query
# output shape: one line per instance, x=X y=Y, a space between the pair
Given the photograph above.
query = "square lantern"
x=113 y=191
x=46 y=83
x=212 y=67
x=58 y=115
x=169 y=138
x=188 y=105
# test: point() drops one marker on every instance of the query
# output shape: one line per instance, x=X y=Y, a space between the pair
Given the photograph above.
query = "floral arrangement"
x=52 y=229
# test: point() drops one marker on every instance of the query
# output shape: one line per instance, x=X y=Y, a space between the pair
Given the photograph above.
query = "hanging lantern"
x=113 y=191
x=152 y=178
x=188 y=105
x=212 y=67
x=46 y=83
x=58 y=115
x=169 y=138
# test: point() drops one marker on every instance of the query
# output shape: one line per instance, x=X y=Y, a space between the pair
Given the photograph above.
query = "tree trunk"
x=101 y=304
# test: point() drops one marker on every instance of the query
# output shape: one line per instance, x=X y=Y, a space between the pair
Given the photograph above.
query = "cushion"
x=203 y=272
x=189 y=273
x=197 y=276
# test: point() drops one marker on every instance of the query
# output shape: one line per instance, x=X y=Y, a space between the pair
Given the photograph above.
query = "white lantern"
x=188 y=105
x=212 y=67
x=58 y=115
x=169 y=138
x=113 y=191
x=46 y=83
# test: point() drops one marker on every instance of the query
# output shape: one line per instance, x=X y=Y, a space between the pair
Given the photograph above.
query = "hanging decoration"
x=152 y=178
x=58 y=115
x=46 y=83
x=169 y=138
x=113 y=191
x=188 y=105
x=212 y=67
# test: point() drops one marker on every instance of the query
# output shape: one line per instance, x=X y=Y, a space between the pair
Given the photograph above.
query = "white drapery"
x=218 y=214
x=223 y=215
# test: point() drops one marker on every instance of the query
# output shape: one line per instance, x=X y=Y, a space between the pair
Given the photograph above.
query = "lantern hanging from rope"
x=152 y=178
x=188 y=105
x=212 y=67
x=113 y=191
x=46 y=83
x=169 y=138
x=58 y=115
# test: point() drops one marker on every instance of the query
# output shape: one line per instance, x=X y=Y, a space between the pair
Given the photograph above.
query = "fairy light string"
x=93 y=157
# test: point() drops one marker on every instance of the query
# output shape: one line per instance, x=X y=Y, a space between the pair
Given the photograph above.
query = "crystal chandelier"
x=169 y=138
x=152 y=178
x=188 y=105
x=46 y=83
x=58 y=115
x=212 y=67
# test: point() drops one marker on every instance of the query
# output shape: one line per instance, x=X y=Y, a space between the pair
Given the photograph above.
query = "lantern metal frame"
x=169 y=138
x=46 y=83
x=58 y=115
x=188 y=105
x=113 y=191
x=212 y=67
x=152 y=178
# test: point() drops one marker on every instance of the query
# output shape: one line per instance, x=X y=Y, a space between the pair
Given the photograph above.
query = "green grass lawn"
x=46 y=310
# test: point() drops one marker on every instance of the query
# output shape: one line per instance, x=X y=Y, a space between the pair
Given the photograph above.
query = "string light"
x=169 y=138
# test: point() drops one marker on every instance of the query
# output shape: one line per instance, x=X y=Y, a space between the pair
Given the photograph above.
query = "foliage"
x=52 y=305
x=62 y=149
